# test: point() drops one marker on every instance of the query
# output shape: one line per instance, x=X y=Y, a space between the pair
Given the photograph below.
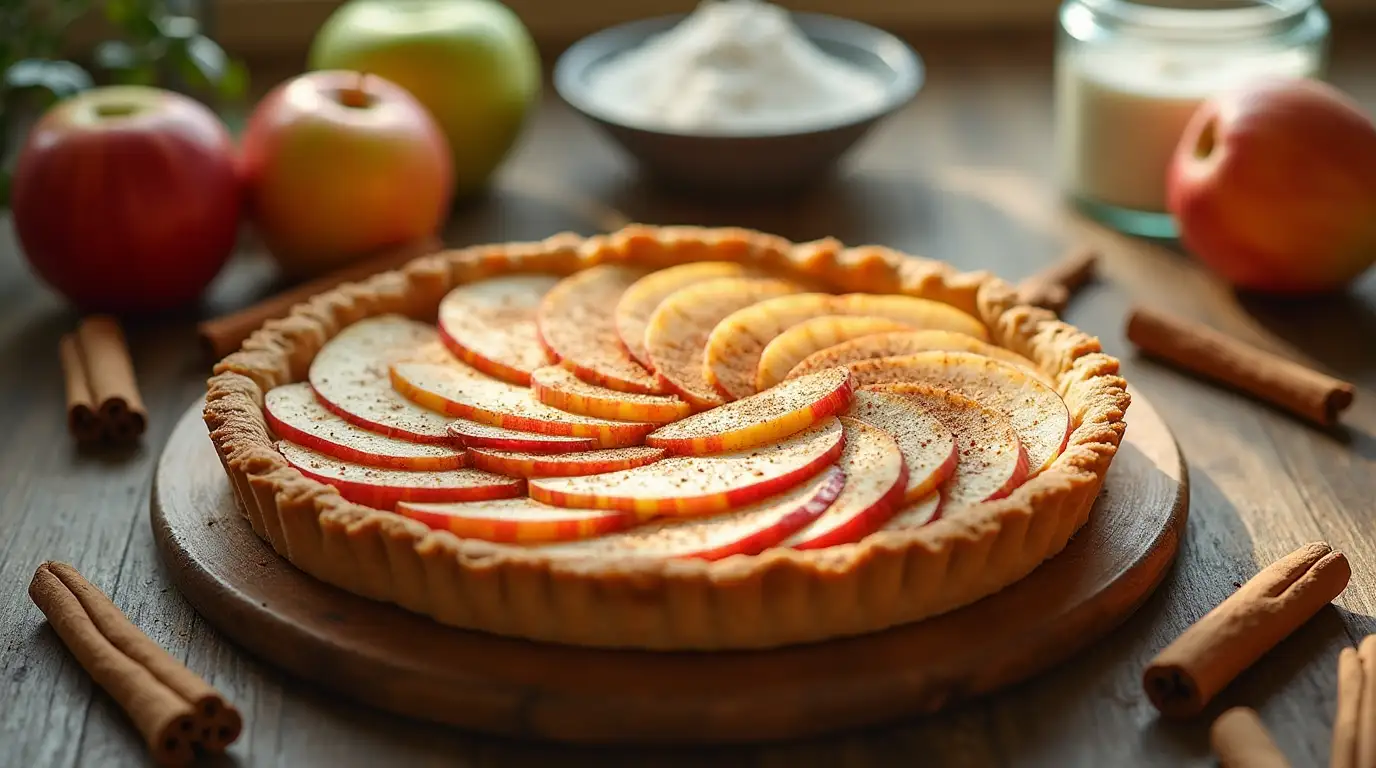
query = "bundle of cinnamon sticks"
x=1354 y=726
x=178 y=714
x=103 y=400
x=1187 y=675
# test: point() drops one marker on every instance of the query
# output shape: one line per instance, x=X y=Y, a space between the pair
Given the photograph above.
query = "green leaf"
x=207 y=65
x=178 y=27
x=234 y=84
x=115 y=55
x=137 y=19
x=60 y=78
x=142 y=74
x=125 y=11
x=121 y=12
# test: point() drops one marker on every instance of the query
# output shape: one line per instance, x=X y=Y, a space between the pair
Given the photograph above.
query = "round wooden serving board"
x=384 y=656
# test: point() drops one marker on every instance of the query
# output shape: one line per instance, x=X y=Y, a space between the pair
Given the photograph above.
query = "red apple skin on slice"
x=685 y=486
x=516 y=521
x=875 y=479
x=916 y=514
x=490 y=325
x=295 y=414
x=749 y=530
x=577 y=326
x=350 y=376
x=991 y=463
x=474 y=434
x=1037 y=413
x=383 y=488
x=789 y=348
x=928 y=447
x=679 y=327
x=515 y=464
x=903 y=343
x=643 y=297
x=759 y=419
x=458 y=389
x=559 y=388
x=732 y=356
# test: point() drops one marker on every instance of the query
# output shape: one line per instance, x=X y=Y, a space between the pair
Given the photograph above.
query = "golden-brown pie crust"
x=779 y=597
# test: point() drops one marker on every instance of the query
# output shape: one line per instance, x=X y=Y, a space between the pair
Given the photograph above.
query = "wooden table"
x=962 y=175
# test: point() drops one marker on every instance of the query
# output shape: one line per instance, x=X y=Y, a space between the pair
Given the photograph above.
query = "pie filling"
x=698 y=411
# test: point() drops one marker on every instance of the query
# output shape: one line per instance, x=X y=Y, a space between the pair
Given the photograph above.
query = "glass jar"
x=1130 y=74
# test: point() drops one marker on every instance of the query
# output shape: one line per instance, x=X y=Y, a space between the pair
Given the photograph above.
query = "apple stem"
x=1204 y=142
x=357 y=96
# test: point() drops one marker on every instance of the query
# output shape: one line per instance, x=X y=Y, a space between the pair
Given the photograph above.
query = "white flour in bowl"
x=733 y=67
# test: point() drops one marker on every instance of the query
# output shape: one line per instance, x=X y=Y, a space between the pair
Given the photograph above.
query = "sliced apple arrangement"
x=678 y=330
x=704 y=410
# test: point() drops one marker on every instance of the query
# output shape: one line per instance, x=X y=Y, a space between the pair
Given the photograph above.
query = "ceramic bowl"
x=754 y=163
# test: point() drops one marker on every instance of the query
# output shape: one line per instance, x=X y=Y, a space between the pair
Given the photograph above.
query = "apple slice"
x=749 y=530
x=475 y=434
x=519 y=520
x=734 y=347
x=490 y=325
x=558 y=388
x=524 y=464
x=789 y=348
x=294 y=413
x=677 y=332
x=916 y=514
x=928 y=447
x=350 y=376
x=383 y=488
x=458 y=389
x=577 y=326
x=633 y=311
x=700 y=485
x=759 y=419
x=901 y=343
x=1037 y=413
x=875 y=479
x=991 y=460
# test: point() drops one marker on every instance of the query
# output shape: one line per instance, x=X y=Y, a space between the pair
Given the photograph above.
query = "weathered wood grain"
x=963 y=174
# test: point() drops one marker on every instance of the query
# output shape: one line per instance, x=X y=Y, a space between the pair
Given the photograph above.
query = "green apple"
x=472 y=63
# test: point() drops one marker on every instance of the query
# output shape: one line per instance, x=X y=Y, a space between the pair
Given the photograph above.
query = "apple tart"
x=668 y=437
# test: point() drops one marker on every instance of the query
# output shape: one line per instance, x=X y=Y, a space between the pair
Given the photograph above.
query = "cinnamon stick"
x=110 y=373
x=1212 y=355
x=175 y=711
x=103 y=400
x=1189 y=672
x=1241 y=741
x=224 y=334
x=1366 y=719
x=1052 y=287
x=83 y=422
x=1354 y=725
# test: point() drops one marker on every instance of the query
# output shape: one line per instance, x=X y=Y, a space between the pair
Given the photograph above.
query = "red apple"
x=127 y=199
x=340 y=165
x=1274 y=187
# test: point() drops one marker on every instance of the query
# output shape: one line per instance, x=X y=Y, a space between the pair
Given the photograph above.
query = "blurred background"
x=279 y=32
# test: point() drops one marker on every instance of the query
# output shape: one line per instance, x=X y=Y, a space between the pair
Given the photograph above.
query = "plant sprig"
x=156 y=46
